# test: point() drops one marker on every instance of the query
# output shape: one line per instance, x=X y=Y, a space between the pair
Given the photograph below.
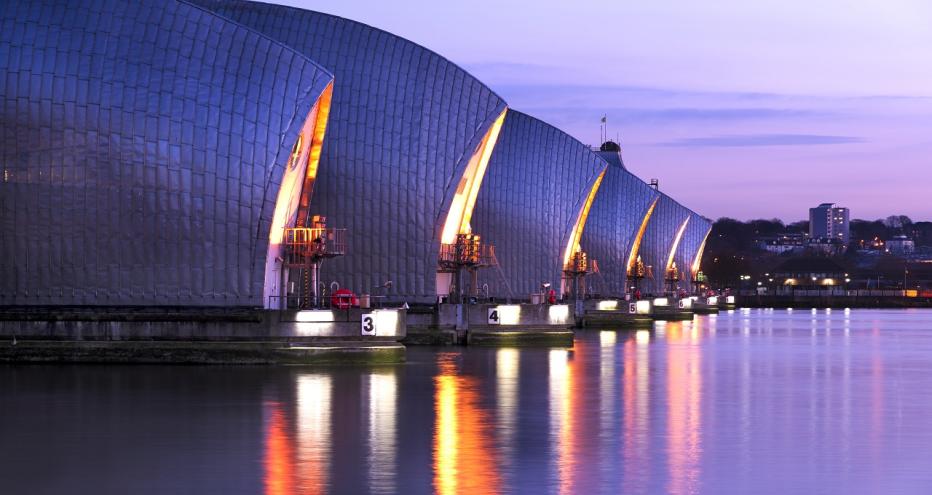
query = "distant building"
x=783 y=243
x=826 y=245
x=829 y=221
x=808 y=272
x=901 y=245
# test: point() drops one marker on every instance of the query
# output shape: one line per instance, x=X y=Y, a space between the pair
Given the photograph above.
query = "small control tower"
x=465 y=256
x=305 y=249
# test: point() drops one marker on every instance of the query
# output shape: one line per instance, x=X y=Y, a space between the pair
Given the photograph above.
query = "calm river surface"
x=760 y=401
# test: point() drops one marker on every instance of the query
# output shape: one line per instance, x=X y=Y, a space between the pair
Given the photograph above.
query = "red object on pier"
x=343 y=299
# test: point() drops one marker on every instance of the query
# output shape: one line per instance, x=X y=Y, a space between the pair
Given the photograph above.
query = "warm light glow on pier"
x=697 y=262
x=467 y=190
x=573 y=247
x=294 y=192
x=322 y=109
x=636 y=245
x=676 y=243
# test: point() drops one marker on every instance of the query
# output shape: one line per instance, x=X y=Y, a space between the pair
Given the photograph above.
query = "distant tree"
x=800 y=227
x=865 y=230
x=897 y=222
x=921 y=232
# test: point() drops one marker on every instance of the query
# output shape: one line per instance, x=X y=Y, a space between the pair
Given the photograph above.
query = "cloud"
x=762 y=140
x=664 y=115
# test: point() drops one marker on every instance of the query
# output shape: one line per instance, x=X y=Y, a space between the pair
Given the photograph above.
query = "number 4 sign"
x=368 y=324
x=493 y=316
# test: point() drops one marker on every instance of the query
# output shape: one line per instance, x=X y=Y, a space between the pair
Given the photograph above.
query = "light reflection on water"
x=755 y=401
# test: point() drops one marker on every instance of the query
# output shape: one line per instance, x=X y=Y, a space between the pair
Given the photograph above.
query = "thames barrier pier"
x=262 y=183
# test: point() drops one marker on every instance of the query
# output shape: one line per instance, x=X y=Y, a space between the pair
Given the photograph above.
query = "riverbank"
x=804 y=302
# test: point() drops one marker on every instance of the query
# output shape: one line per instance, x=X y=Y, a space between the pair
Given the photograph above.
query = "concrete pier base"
x=673 y=313
x=201 y=335
x=615 y=313
x=616 y=319
x=175 y=352
x=702 y=307
x=490 y=324
x=548 y=338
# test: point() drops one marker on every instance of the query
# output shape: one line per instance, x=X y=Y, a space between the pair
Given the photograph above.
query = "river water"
x=759 y=401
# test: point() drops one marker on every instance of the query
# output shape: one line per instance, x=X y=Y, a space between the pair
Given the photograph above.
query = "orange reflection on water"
x=636 y=400
x=465 y=460
x=566 y=410
x=684 y=384
x=297 y=459
x=279 y=475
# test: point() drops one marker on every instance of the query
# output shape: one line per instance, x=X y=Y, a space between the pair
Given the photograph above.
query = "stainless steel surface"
x=403 y=125
x=537 y=182
x=142 y=145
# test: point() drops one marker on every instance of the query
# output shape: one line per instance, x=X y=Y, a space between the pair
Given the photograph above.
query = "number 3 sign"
x=368 y=324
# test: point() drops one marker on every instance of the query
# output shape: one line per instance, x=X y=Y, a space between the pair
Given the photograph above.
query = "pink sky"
x=741 y=109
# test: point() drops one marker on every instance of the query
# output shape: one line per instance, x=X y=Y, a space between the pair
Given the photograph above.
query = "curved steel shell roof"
x=403 y=126
x=660 y=241
x=616 y=216
x=689 y=248
x=537 y=182
x=142 y=145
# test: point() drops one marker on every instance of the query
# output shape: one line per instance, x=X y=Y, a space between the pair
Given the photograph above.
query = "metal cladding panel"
x=615 y=217
x=403 y=125
x=693 y=236
x=613 y=158
x=666 y=220
x=537 y=182
x=142 y=145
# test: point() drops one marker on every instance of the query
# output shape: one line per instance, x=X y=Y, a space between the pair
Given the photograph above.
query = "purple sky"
x=741 y=109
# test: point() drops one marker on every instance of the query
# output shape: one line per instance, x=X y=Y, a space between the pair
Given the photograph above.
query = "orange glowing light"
x=567 y=409
x=676 y=243
x=636 y=245
x=465 y=459
x=572 y=246
x=468 y=189
x=698 y=261
x=322 y=108
x=295 y=190
x=279 y=474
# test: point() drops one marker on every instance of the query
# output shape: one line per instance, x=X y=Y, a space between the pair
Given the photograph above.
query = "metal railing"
x=580 y=264
x=305 y=245
x=339 y=301
x=467 y=251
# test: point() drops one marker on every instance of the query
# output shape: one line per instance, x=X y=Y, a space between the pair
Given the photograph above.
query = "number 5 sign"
x=493 y=316
x=368 y=324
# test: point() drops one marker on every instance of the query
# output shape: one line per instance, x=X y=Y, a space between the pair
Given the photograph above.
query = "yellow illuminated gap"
x=636 y=246
x=572 y=246
x=468 y=189
x=676 y=242
x=295 y=190
x=313 y=156
x=698 y=261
